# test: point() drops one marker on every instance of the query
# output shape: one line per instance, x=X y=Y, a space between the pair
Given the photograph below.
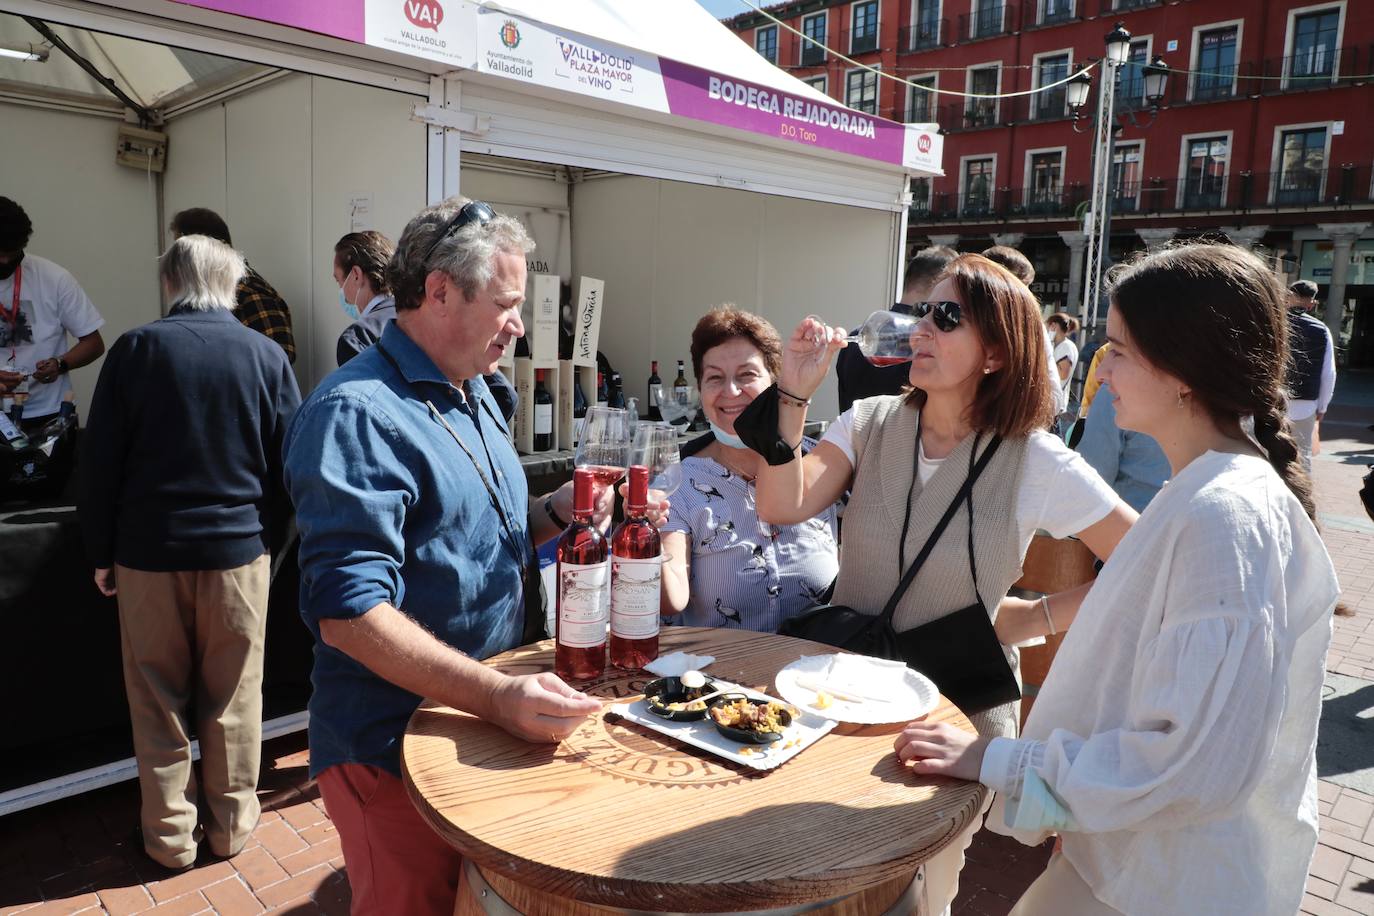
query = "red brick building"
x=1262 y=136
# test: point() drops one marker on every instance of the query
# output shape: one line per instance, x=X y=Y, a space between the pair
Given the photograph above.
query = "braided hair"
x=1213 y=317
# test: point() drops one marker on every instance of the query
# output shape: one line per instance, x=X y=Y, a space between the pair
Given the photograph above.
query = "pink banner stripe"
x=339 y=18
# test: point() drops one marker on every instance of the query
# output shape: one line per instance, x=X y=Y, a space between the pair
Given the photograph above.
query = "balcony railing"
x=982 y=113
x=859 y=42
x=1321 y=189
x=1120 y=6
x=988 y=22
x=1315 y=69
x=1211 y=84
x=1037 y=14
x=812 y=55
x=924 y=35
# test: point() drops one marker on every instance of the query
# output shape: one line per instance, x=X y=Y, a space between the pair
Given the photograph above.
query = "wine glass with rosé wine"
x=655 y=447
x=604 y=448
x=885 y=338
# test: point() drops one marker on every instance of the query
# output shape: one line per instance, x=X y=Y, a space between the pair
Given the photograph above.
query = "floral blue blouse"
x=746 y=574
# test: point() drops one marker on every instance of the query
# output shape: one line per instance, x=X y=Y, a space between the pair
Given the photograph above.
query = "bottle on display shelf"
x=654 y=381
x=680 y=385
x=615 y=395
x=601 y=391
x=579 y=397
x=584 y=586
x=543 y=413
x=636 y=579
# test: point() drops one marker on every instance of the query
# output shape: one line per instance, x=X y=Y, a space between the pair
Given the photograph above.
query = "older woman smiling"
x=725 y=567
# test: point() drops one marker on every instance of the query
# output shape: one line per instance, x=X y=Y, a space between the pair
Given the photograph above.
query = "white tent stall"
x=643 y=143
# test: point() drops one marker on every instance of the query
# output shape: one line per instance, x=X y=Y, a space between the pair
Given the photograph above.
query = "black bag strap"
x=965 y=493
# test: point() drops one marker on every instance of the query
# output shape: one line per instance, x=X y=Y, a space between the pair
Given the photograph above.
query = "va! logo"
x=424 y=14
x=510 y=34
x=923 y=143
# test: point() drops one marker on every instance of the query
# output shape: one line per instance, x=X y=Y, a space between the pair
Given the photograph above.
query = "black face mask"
x=7 y=270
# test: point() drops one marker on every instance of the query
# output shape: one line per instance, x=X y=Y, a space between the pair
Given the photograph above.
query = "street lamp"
x=1097 y=222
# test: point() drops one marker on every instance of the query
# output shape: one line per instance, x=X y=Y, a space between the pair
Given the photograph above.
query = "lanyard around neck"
x=512 y=542
x=12 y=313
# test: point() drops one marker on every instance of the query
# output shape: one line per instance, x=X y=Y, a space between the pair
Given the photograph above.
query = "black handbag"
x=960 y=652
x=1367 y=492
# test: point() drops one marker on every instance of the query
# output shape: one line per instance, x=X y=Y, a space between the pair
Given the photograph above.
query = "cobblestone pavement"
x=78 y=855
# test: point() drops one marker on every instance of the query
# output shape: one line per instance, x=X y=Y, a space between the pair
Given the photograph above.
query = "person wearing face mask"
x=360 y=260
x=360 y=265
x=41 y=307
x=725 y=567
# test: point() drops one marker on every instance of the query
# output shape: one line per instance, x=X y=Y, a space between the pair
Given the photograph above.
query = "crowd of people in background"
x=1171 y=747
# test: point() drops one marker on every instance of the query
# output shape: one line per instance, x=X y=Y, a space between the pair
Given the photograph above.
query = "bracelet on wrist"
x=792 y=399
x=62 y=367
x=552 y=513
x=1045 y=606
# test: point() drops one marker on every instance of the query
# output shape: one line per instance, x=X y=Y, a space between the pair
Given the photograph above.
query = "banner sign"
x=459 y=34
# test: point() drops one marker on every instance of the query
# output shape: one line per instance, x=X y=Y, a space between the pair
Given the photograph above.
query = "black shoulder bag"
x=960 y=652
x=532 y=627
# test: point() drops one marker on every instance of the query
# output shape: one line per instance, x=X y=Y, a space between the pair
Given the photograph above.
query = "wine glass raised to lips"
x=655 y=447
x=604 y=448
x=885 y=338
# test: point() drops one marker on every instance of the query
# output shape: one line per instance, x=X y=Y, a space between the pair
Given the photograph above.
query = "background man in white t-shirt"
x=40 y=305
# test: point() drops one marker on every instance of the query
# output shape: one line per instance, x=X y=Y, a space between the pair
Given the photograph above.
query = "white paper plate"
x=806 y=729
x=915 y=696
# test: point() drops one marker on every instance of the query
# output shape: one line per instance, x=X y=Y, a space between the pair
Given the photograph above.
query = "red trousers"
x=396 y=862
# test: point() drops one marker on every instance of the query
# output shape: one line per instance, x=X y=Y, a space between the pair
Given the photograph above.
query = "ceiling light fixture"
x=26 y=52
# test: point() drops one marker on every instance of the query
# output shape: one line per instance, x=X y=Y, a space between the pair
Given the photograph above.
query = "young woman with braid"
x=1173 y=743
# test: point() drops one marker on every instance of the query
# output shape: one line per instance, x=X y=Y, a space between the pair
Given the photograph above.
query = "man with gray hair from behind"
x=181 y=503
x=417 y=533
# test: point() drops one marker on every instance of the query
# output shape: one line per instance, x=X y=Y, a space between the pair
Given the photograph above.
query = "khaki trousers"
x=194 y=641
x=1302 y=432
x=1059 y=891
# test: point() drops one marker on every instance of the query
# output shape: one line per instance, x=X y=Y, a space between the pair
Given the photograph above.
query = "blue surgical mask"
x=725 y=438
x=349 y=308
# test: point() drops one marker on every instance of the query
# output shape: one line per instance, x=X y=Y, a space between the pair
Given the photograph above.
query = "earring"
x=987 y=370
x=1180 y=400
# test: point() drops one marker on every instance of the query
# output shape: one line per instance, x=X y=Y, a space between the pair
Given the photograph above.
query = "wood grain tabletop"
x=620 y=815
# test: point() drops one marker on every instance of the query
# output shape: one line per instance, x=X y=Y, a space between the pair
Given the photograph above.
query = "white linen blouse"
x=1173 y=744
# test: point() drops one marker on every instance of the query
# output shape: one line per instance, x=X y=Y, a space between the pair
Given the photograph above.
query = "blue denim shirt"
x=391 y=510
x=1132 y=463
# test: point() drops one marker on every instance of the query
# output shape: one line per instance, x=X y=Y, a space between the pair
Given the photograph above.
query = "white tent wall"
x=282 y=164
x=668 y=251
x=95 y=218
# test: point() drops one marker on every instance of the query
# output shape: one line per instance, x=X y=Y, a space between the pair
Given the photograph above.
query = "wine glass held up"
x=604 y=447
x=806 y=356
x=655 y=447
x=885 y=338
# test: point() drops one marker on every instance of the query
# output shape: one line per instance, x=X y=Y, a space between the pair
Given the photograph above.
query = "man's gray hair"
x=201 y=273
x=466 y=255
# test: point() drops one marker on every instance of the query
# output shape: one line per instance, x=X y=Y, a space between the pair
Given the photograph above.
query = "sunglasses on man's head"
x=474 y=211
x=945 y=314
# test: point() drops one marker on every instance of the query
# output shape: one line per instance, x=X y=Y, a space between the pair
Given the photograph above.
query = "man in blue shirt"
x=1132 y=463
x=416 y=528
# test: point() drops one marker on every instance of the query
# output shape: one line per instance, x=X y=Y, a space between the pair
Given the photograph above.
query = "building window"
x=987 y=18
x=920 y=197
x=1045 y=187
x=1052 y=102
x=982 y=112
x=1130 y=89
x=977 y=187
x=766 y=43
x=920 y=104
x=926 y=33
x=813 y=41
x=1314 y=45
x=817 y=83
x=1205 y=183
x=861 y=91
x=1052 y=11
x=864 y=36
x=1302 y=161
x=1216 y=63
x=1127 y=162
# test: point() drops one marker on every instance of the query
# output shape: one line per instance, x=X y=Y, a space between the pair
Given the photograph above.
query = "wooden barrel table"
x=621 y=819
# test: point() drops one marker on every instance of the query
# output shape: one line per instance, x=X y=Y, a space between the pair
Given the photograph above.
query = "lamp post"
x=1097 y=222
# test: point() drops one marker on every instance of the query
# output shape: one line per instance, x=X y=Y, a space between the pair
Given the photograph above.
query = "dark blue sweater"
x=181 y=455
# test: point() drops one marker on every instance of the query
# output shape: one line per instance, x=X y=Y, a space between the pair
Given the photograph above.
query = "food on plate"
x=764 y=718
x=822 y=700
x=693 y=706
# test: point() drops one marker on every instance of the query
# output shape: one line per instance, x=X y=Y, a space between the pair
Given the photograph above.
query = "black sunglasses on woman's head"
x=944 y=313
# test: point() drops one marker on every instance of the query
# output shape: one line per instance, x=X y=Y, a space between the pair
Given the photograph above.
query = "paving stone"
x=233 y=898
x=258 y=868
x=307 y=883
x=1329 y=864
